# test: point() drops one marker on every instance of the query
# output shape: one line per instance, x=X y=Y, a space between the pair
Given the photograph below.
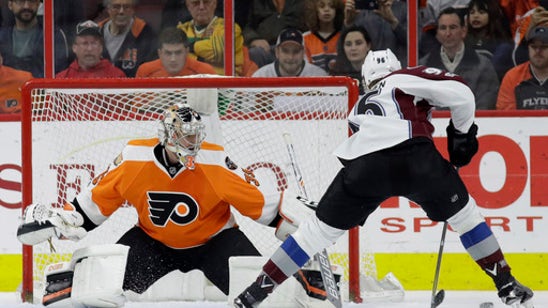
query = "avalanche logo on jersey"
x=179 y=208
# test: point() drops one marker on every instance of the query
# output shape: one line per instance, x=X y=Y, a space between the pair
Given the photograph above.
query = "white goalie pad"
x=388 y=289
x=290 y=294
x=58 y=285
x=205 y=102
x=99 y=275
x=293 y=211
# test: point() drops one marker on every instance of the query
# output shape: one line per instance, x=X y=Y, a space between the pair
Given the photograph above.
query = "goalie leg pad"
x=58 y=285
x=99 y=275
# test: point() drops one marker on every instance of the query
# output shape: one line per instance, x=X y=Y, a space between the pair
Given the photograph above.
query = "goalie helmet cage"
x=73 y=128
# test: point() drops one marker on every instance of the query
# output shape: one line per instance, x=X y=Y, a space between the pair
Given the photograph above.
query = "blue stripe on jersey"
x=476 y=235
x=294 y=251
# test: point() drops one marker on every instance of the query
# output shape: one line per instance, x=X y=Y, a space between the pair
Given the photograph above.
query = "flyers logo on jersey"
x=179 y=208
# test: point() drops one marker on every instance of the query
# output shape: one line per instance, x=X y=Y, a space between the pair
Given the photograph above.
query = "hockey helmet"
x=182 y=131
x=378 y=64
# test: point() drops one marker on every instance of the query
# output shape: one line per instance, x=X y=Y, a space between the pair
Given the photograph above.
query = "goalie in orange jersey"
x=183 y=189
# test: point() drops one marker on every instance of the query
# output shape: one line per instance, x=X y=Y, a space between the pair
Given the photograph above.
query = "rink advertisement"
x=508 y=178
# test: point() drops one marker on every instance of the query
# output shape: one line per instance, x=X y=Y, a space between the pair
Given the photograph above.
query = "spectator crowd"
x=499 y=47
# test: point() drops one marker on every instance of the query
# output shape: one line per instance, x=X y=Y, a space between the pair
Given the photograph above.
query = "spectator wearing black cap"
x=525 y=86
x=88 y=48
x=290 y=60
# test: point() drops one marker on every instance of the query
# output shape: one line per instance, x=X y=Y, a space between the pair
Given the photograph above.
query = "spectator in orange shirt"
x=324 y=18
x=10 y=92
x=174 y=58
x=88 y=47
x=525 y=86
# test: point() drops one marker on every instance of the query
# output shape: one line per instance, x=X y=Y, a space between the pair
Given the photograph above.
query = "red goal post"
x=72 y=128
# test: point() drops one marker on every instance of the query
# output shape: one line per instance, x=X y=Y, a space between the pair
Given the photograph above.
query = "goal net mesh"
x=75 y=129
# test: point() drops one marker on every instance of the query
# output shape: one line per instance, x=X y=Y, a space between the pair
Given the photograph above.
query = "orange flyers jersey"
x=319 y=51
x=10 y=92
x=185 y=209
x=192 y=66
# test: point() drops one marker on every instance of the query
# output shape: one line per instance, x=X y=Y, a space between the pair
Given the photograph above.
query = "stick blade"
x=437 y=299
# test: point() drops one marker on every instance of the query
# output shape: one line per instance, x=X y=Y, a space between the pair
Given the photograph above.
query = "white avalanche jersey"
x=400 y=106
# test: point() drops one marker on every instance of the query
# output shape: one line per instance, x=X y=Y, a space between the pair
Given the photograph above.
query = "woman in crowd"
x=488 y=30
x=352 y=47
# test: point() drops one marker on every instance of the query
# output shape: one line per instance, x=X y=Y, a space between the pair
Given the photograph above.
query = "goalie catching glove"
x=41 y=222
x=293 y=210
x=461 y=147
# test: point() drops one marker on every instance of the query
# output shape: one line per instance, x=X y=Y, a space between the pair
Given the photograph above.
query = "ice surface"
x=413 y=299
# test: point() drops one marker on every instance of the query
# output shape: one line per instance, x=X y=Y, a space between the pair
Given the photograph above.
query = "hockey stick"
x=328 y=278
x=437 y=298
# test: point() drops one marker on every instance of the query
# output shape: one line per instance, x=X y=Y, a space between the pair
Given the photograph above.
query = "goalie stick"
x=322 y=257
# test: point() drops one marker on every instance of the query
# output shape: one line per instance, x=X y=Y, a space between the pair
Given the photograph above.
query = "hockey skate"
x=253 y=295
x=515 y=294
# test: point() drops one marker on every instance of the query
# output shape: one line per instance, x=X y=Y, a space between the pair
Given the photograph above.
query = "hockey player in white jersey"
x=391 y=153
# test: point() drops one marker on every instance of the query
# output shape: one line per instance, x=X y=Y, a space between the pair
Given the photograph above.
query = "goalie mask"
x=182 y=132
x=378 y=64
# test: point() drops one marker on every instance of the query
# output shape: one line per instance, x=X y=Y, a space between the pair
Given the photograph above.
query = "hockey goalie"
x=183 y=189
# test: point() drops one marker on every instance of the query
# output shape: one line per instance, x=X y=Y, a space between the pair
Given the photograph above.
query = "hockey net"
x=75 y=128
